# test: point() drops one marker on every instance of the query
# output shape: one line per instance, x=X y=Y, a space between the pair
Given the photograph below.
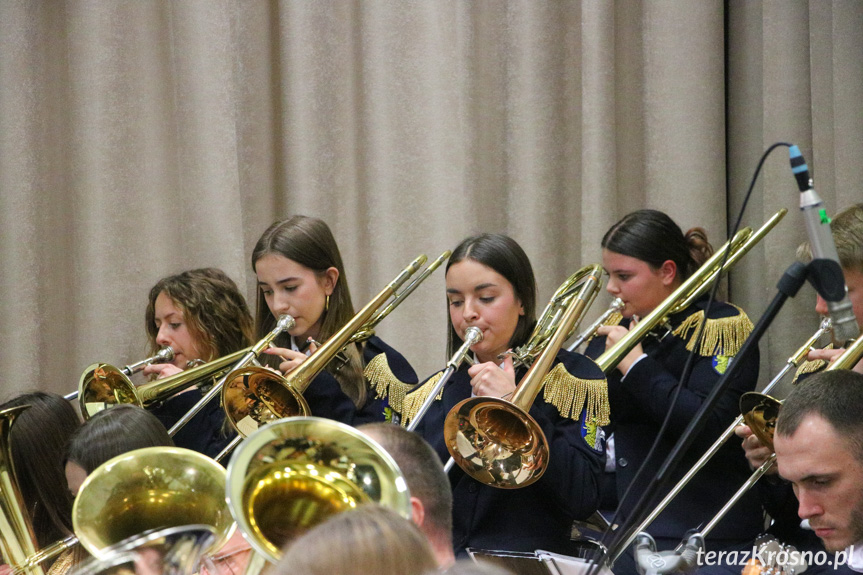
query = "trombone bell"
x=496 y=442
x=760 y=413
x=253 y=396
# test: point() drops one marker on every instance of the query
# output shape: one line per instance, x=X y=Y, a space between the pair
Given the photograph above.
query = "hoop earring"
x=327 y=304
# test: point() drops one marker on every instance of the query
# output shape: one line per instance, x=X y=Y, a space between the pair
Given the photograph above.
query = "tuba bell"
x=293 y=474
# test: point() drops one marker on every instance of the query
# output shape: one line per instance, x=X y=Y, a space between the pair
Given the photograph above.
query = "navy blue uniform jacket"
x=539 y=516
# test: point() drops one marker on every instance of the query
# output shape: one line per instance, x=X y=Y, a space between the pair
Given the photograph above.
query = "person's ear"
x=668 y=272
x=418 y=511
x=331 y=278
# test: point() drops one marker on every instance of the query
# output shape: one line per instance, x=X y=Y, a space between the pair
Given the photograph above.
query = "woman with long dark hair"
x=300 y=272
x=490 y=286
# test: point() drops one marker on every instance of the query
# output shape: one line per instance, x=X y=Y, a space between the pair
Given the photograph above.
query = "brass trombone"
x=163 y=355
x=103 y=385
x=496 y=441
x=688 y=292
x=253 y=396
x=792 y=362
x=288 y=476
x=284 y=323
x=616 y=306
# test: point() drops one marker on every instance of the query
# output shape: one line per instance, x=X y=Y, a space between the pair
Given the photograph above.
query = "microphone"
x=827 y=279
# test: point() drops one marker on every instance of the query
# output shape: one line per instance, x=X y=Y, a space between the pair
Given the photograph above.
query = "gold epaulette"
x=386 y=385
x=570 y=394
x=722 y=336
x=812 y=366
x=412 y=402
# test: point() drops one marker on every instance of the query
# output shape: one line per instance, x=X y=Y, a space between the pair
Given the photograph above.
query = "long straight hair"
x=502 y=254
x=38 y=442
x=309 y=242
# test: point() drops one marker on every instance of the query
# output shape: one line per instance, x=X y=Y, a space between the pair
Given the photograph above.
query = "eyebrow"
x=286 y=280
x=476 y=288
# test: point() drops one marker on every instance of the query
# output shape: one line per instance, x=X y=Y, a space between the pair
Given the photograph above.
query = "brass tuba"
x=150 y=489
x=496 y=441
x=17 y=540
x=295 y=473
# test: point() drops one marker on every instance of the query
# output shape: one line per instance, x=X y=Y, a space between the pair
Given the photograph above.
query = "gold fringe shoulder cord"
x=570 y=394
x=412 y=402
x=722 y=336
x=384 y=382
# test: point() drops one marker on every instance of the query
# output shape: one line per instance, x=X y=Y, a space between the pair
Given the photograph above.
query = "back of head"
x=423 y=473
x=836 y=396
x=847 y=230
x=505 y=256
x=38 y=441
x=369 y=539
x=213 y=308
x=653 y=237
x=113 y=432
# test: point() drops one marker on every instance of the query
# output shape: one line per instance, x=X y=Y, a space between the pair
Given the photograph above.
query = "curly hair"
x=213 y=308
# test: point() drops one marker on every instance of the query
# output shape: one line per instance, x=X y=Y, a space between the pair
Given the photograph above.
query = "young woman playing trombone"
x=490 y=286
x=202 y=316
x=647 y=257
x=300 y=273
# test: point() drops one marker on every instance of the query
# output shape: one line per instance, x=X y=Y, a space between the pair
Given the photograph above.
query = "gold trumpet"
x=693 y=288
x=496 y=441
x=293 y=474
x=253 y=396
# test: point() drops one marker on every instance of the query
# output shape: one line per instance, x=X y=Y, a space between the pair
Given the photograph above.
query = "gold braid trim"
x=68 y=559
x=569 y=394
x=413 y=401
x=386 y=385
x=810 y=366
x=722 y=336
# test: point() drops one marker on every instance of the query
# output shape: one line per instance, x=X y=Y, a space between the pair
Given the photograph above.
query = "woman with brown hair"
x=647 y=257
x=203 y=316
x=300 y=273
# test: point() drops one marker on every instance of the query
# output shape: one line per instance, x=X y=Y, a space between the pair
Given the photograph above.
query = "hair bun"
x=699 y=247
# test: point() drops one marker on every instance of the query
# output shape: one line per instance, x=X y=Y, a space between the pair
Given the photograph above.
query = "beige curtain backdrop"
x=140 y=138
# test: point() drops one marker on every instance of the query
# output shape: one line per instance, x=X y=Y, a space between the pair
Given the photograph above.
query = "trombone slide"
x=472 y=336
